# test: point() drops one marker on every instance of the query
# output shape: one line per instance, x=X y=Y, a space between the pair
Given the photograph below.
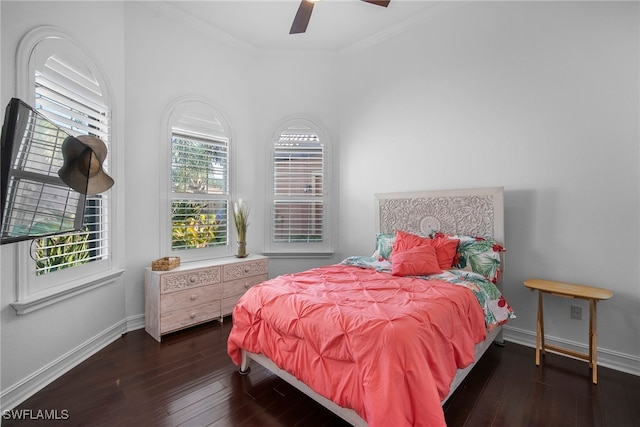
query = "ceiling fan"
x=303 y=15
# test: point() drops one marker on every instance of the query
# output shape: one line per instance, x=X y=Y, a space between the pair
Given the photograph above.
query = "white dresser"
x=197 y=292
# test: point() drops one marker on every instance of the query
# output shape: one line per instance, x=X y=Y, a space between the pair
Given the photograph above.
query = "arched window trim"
x=296 y=249
x=37 y=292
x=172 y=113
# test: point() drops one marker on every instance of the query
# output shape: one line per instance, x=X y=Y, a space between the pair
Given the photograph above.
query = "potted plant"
x=241 y=218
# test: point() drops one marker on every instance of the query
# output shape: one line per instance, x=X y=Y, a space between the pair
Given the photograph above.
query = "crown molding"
x=201 y=25
x=394 y=30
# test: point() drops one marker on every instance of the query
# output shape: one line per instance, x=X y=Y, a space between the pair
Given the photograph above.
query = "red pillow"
x=417 y=261
x=404 y=241
x=446 y=250
x=445 y=247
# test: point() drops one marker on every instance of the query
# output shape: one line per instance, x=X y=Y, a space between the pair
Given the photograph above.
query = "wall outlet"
x=576 y=312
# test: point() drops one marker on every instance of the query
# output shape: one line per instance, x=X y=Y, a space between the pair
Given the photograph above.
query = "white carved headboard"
x=473 y=212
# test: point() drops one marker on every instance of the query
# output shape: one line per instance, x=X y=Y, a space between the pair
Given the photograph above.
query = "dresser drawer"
x=178 y=319
x=232 y=291
x=189 y=297
x=173 y=282
x=240 y=286
x=245 y=269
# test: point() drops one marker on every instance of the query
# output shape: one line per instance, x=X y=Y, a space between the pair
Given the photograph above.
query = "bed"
x=385 y=339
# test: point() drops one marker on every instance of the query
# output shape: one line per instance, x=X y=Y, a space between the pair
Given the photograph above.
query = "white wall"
x=541 y=98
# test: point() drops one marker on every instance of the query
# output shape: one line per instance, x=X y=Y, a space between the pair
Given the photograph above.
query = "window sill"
x=298 y=254
x=41 y=300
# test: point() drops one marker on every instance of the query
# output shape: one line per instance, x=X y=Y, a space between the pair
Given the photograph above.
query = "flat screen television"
x=35 y=202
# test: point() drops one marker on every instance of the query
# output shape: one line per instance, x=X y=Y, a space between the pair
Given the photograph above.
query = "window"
x=199 y=198
x=71 y=97
x=299 y=202
x=62 y=82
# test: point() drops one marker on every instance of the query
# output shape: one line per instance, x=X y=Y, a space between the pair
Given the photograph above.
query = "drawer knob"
x=246 y=269
x=247 y=285
x=193 y=315
x=193 y=297
x=193 y=279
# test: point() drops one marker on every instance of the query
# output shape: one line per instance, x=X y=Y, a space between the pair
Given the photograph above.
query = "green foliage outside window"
x=60 y=252
x=195 y=225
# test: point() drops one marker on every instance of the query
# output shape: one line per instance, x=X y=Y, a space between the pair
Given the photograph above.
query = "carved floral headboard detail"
x=473 y=212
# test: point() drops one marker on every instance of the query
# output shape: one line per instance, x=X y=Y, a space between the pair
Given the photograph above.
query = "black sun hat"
x=82 y=169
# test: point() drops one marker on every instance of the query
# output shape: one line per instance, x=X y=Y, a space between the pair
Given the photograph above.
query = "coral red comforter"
x=386 y=346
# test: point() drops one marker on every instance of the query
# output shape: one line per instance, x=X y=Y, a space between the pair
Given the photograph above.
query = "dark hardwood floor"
x=188 y=380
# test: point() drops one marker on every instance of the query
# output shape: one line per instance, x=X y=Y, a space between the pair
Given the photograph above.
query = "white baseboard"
x=21 y=391
x=135 y=322
x=611 y=359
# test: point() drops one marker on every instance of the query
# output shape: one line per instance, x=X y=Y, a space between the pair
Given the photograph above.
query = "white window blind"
x=298 y=189
x=200 y=187
x=71 y=97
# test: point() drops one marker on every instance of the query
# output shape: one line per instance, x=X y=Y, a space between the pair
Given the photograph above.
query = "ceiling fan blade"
x=379 y=3
x=301 y=20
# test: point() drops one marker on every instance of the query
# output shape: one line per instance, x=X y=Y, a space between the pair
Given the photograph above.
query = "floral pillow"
x=384 y=246
x=477 y=254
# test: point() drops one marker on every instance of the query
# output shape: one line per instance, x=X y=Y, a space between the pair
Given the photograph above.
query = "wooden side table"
x=567 y=290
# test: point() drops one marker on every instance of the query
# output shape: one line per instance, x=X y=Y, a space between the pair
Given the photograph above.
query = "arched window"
x=196 y=211
x=57 y=77
x=300 y=203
